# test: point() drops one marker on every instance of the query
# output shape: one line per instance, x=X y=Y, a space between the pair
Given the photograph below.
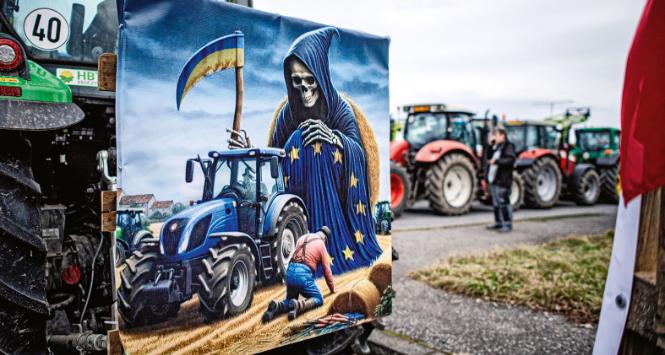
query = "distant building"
x=163 y=207
x=143 y=202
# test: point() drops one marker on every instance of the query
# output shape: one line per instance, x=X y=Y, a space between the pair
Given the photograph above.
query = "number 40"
x=52 y=29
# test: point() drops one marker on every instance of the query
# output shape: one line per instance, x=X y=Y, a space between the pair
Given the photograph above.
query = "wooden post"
x=645 y=326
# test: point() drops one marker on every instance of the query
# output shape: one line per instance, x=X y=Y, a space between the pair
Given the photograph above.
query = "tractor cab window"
x=531 y=137
x=67 y=30
x=460 y=129
x=593 y=140
x=235 y=178
x=551 y=137
x=516 y=135
x=124 y=219
x=425 y=127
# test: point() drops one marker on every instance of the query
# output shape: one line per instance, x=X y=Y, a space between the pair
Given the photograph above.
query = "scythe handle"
x=240 y=93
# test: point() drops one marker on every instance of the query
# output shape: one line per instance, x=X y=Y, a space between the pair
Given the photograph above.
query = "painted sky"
x=156 y=139
x=502 y=55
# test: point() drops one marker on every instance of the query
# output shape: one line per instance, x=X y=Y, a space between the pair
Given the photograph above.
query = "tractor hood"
x=188 y=229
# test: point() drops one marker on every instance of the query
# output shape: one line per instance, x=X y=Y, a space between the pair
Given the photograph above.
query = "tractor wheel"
x=134 y=304
x=586 y=188
x=227 y=282
x=517 y=191
x=451 y=184
x=400 y=189
x=609 y=178
x=542 y=183
x=120 y=254
x=291 y=224
x=23 y=303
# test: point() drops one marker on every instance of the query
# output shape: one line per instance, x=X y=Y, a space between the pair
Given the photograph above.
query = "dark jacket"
x=505 y=163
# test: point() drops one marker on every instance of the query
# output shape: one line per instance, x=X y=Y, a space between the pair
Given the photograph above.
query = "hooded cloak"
x=332 y=181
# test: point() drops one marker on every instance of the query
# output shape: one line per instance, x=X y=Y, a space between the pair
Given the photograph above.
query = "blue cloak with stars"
x=331 y=180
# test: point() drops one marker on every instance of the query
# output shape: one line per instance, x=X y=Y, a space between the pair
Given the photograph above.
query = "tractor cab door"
x=269 y=185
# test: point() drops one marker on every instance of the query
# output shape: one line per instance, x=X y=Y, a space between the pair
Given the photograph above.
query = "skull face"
x=304 y=81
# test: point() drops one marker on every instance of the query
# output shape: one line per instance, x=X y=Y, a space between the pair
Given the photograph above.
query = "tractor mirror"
x=189 y=171
x=274 y=167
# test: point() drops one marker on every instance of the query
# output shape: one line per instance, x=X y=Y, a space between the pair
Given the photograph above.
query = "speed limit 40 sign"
x=46 y=29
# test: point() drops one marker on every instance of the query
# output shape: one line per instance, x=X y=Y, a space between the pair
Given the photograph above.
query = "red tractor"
x=546 y=165
x=441 y=159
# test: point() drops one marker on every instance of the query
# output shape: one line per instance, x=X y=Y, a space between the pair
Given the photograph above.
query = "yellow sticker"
x=8 y=80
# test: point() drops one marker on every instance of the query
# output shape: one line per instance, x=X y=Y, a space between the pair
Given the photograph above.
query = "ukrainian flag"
x=222 y=53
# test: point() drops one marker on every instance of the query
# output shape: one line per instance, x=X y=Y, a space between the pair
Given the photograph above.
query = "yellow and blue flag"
x=222 y=53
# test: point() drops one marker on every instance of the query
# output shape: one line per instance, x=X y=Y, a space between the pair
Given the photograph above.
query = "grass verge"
x=565 y=276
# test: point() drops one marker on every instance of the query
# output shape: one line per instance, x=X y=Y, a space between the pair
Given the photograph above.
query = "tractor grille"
x=171 y=235
x=199 y=233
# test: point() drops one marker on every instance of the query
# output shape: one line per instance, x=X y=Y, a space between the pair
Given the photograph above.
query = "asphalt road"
x=442 y=321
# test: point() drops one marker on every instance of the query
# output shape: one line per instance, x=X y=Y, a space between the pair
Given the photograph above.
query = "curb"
x=480 y=223
x=384 y=343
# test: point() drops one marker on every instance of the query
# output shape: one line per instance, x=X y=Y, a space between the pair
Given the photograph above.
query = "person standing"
x=500 y=178
x=309 y=254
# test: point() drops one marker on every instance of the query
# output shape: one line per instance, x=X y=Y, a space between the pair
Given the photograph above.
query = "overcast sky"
x=499 y=55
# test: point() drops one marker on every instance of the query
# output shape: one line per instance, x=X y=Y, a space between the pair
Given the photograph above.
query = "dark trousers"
x=300 y=281
x=503 y=210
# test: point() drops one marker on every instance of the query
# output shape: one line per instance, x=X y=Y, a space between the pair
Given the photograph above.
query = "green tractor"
x=383 y=218
x=58 y=142
x=600 y=146
x=131 y=233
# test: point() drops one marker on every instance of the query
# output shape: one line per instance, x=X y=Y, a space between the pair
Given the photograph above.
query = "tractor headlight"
x=585 y=155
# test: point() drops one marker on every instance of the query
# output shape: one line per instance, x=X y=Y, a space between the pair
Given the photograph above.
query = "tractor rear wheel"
x=135 y=306
x=227 y=282
x=542 y=183
x=451 y=184
x=120 y=253
x=400 y=189
x=586 y=188
x=517 y=191
x=291 y=224
x=609 y=178
x=23 y=303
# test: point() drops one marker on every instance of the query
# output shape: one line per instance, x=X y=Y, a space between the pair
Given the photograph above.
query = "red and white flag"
x=642 y=166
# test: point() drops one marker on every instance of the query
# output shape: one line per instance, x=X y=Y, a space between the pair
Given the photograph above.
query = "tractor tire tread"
x=23 y=303
x=435 y=180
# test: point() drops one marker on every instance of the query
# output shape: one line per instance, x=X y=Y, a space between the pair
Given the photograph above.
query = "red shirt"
x=315 y=254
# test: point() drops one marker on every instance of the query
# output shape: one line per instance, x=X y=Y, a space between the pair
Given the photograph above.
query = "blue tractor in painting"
x=240 y=234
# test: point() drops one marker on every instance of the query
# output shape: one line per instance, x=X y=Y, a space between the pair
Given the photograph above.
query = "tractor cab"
x=129 y=221
x=428 y=123
x=64 y=31
x=528 y=135
x=592 y=143
x=250 y=177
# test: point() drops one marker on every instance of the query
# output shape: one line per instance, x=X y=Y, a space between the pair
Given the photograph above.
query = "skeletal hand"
x=315 y=130
x=238 y=140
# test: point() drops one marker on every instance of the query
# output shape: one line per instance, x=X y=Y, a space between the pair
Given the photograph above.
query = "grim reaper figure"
x=332 y=156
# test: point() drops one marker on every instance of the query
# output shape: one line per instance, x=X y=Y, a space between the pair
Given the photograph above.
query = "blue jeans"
x=300 y=281
x=503 y=210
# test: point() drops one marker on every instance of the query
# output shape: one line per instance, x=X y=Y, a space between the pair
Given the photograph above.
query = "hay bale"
x=381 y=276
x=363 y=298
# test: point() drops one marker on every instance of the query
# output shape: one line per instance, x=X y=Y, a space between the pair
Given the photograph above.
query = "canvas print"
x=253 y=163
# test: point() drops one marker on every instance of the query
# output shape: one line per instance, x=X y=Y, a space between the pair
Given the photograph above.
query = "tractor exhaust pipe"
x=86 y=342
